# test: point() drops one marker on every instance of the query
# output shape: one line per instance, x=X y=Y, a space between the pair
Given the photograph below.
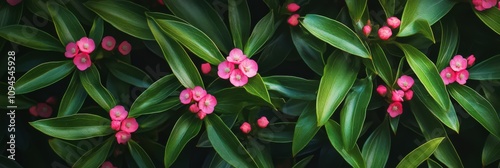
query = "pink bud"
x=292 y=7
x=116 y=124
x=471 y=59
x=393 y=22
x=129 y=125
x=201 y=115
x=124 y=48
x=206 y=68
x=33 y=111
x=245 y=127
x=395 y=109
x=397 y=95
x=194 y=108
x=122 y=137
x=262 y=122
x=381 y=90
x=51 y=100
x=44 y=110
x=294 y=20
x=384 y=33
x=161 y=2
x=107 y=164
x=367 y=29
x=408 y=94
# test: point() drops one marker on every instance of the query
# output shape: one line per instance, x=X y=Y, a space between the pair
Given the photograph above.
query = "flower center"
x=83 y=60
x=118 y=114
x=246 y=69
x=44 y=109
x=394 y=108
x=207 y=103
x=237 y=58
x=448 y=75
x=186 y=96
x=458 y=64
x=197 y=94
x=109 y=43
x=73 y=50
x=124 y=137
x=405 y=83
x=462 y=76
x=128 y=125
x=125 y=47
x=85 y=45
x=226 y=70
x=238 y=77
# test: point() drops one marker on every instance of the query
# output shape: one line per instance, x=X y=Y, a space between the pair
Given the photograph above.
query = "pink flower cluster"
x=293 y=20
x=385 y=32
x=247 y=68
x=80 y=51
x=457 y=71
x=262 y=122
x=108 y=43
x=204 y=103
x=481 y=5
x=107 y=164
x=43 y=110
x=395 y=109
x=123 y=125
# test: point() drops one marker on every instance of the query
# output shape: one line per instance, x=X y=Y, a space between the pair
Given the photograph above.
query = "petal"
x=237 y=78
x=249 y=67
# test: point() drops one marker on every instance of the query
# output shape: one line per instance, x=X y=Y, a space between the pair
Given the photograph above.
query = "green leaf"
x=140 y=156
x=449 y=42
x=11 y=15
x=185 y=129
x=338 y=77
x=303 y=163
x=427 y=10
x=490 y=17
x=356 y=9
x=272 y=4
x=336 y=34
x=294 y=107
x=477 y=106
x=202 y=16
x=73 y=98
x=31 y=37
x=353 y=114
x=305 y=129
x=67 y=26
x=96 y=156
x=125 y=16
x=239 y=21
x=381 y=64
x=22 y=102
x=97 y=30
x=193 y=39
x=490 y=152
x=154 y=97
x=263 y=31
x=420 y=154
x=8 y=162
x=233 y=100
x=226 y=144
x=91 y=81
x=182 y=66
x=67 y=151
x=433 y=164
x=153 y=121
x=428 y=75
x=261 y=153
x=378 y=145
x=282 y=135
x=353 y=155
x=129 y=73
x=293 y=87
x=43 y=75
x=310 y=49
x=275 y=52
x=425 y=29
x=74 y=127
x=388 y=6
x=256 y=86
x=486 y=70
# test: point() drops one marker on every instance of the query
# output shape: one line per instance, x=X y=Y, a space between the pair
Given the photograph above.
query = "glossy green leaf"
x=182 y=66
x=239 y=21
x=275 y=52
x=233 y=100
x=261 y=153
x=153 y=121
x=433 y=164
x=486 y=70
x=140 y=156
x=304 y=162
x=129 y=74
x=352 y=156
x=490 y=17
x=338 y=77
x=420 y=154
x=43 y=75
x=218 y=162
x=477 y=106
x=388 y=6
x=447 y=117
x=31 y=37
x=155 y=151
x=378 y=146
x=310 y=49
x=293 y=87
x=356 y=9
x=394 y=122
x=283 y=133
x=91 y=81
x=428 y=74
x=97 y=30
x=202 y=16
x=256 y=86
x=74 y=127
x=353 y=114
x=226 y=144
x=125 y=16
x=96 y=156
x=119 y=89
x=10 y=15
x=336 y=34
x=490 y=152
x=86 y=16
x=305 y=129
x=67 y=151
x=185 y=129
x=294 y=107
x=67 y=26
x=73 y=98
x=449 y=42
x=8 y=162
x=381 y=64
x=263 y=31
x=154 y=96
x=428 y=10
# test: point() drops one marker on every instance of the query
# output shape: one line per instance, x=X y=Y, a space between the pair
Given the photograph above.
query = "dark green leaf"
x=91 y=81
x=352 y=156
x=388 y=6
x=153 y=121
x=73 y=98
x=447 y=117
x=10 y=15
x=304 y=162
x=420 y=154
x=293 y=87
x=21 y=101
x=486 y=70
x=305 y=129
x=263 y=31
x=67 y=151
x=74 y=127
x=140 y=156
x=96 y=156
x=490 y=17
x=31 y=37
x=67 y=26
x=185 y=129
x=43 y=75
x=8 y=162
x=294 y=107
x=261 y=153
x=310 y=49
x=282 y=133
x=239 y=21
x=382 y=65
x=490 y=150
x=377 y=147
x=129 y=73
x=256 y=86
x=155 y=96
x=97 y=30
x=233 y=100
x=449 y=42
x=428 y=10
x=275 y=52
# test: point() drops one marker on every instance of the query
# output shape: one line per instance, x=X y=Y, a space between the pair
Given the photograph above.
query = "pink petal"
x=115 y=125
x=408 y=94
x=224 y=69
x=194 y=108
x=405 y=82
x=249 y=67
x=207 y=104
x=471 y=59
x=462 y=76
x=118 y=113
x=448 y=75
x=71 y=50
x=108 y=43
x=82 y=61
x=397 y=95
x=33 y=111
x=122 y=137
x=107 y=164
x=292 y=7
x=198 y=93
x=129 y=125
x=458 y=63
x=293 y=20
x=44 y=110
x=393 y=22
x=236 y=56
x=245 y=128
x=263 y=122
x=124 y=48
x=395 y=109
x=237 y=78
x=186 y=96
x=86 y=45
x=367 y=29
x=201 y=115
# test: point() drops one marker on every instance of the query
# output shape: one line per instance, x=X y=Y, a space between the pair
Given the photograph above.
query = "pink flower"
x=393 y=22
x=33 y=111
x=71 y=50
x=405 y=82
x=408 y=94
x=108 y=43
x=186 y=96
x=458 y=63
x=249 y=67
x=116 y=124
x=367 y=29
x=198 y=93
x=206 y=68
x=124 y=48
x=236 y=56
x=292 y=7
x=224 y=69
x=397 y=95
x=294 y=20
x=44 y=110
x=86 y=45
x=194 y=108
x=471 y=59
x=262 y=122
x=129 y=125
x=395 y=109
x=201 y=115
x=384 y=33
x=107 y=164
x=237 y=78
x=82 y=61
x=14 y=2
x=381 y=90
x=207 y=104
x=51 y=100
x=481 y=5
x=118 y=113
x=245 y=127
x=462 y=76
x=448 y=75
x=122 y=137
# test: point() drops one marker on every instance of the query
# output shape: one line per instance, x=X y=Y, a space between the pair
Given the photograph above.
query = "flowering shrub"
x=304 y=83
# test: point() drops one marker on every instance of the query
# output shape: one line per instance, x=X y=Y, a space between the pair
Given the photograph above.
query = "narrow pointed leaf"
x=83 y=126
x=43 y=75
x=96 y=156
x=356 y=9
x=67 y=26
x=490 y=152
x=155 y=95
x=256 y=86
x=293 y=87
x=275 y=52
x=310 y=49
x=447 y=117
x=67 y=151
x=305 y=129
x=31 y=37
x=263 y=31
x=233 y=100
x=185 y=129
x=490 y=17
x=73 y=98
x=97 y=30
x=239 y=22
x=486 y=70
x=352 y=156
x=304 y=162
x=129 y=74
x=423 y=27
x=428 y=10
x=449 y=42
x=420 y=154
x=378 y=146
x=284 y=134
x=388 y=6
x=140 y=156
x=381 y=64
x=91 y=81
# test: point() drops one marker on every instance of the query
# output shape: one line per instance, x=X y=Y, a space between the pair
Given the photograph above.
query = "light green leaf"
x=96 y=156
x=449 y=42
x=352 y=156
x=305 y=129
x=91 y=81
x=310 y=49
x=239 y=21
x=423 y=27
x=356 y=9
x=381 y=64
x=293 y=87
x=263 y=31
x=73 y=98
x=83 y=126
x=486 y=70
x=490 y=152
x=428 y=10
x=31 y=37
x=420 y=154
x=185 y=129
x=490 y=17
x=256 y=86
x=378 y=146
x=129 y=73
x=156 y=95
x=43 y=75
x=140 y=156
x=67 y=26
